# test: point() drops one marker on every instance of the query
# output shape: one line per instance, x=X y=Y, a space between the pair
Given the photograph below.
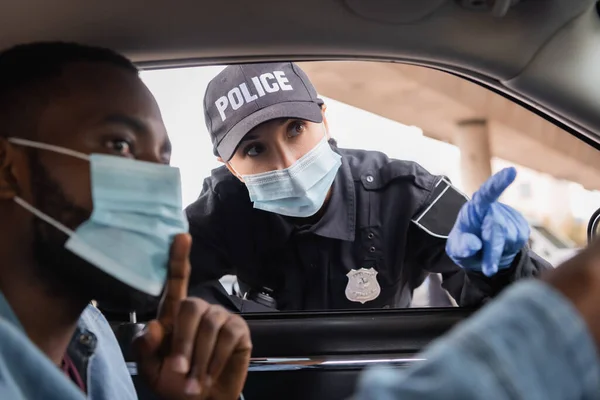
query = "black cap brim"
x=306 y=110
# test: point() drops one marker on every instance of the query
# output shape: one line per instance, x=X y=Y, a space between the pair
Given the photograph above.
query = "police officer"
x=308 y=226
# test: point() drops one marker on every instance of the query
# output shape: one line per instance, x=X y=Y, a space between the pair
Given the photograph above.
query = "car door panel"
x=321 y=355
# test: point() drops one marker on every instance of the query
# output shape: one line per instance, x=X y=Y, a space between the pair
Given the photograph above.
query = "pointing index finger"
x=178 y=277
x=493 y=188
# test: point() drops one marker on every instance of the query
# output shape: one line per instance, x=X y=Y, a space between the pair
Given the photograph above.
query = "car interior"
x=542 y=55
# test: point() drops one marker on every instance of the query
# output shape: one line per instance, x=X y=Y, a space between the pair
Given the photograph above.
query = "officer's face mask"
x=137 y=211
x=299 y=190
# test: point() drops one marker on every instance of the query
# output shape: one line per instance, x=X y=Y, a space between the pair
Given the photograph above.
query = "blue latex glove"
x=488 y=235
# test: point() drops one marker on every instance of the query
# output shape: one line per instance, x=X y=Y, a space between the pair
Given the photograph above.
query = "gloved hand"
x=488 y=235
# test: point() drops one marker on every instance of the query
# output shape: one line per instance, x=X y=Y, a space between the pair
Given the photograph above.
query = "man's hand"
x=192 y=350
x=488 y=235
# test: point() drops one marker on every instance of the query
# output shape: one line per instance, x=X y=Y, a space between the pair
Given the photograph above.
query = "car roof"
x=541 y=52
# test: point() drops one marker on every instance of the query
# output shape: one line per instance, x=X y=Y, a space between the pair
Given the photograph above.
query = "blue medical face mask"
x=137 y=211
x=299 y=190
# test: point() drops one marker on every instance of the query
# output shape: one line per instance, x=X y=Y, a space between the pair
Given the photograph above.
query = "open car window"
x=459 y=132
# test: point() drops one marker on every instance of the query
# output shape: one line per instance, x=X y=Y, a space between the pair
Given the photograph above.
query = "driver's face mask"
x=137 y=211
x=299 y=190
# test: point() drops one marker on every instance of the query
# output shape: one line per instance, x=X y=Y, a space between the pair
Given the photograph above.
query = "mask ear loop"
x=57 y=149
x=43 y=216
x=49 y=147
x=237 y=174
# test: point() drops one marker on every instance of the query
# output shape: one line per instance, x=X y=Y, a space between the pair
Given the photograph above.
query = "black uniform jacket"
x=383 y=230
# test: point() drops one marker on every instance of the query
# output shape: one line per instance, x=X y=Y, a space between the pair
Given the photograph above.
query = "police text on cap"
x=269 y=82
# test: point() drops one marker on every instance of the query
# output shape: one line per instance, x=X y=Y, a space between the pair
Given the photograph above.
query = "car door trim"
x=332 y=362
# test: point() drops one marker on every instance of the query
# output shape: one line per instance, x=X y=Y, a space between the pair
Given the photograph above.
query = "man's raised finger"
x=178 y=277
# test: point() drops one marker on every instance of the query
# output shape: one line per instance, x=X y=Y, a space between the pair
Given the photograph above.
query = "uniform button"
x=370 y=235
x=372 y=249
x=370 y=178
x=386 y=307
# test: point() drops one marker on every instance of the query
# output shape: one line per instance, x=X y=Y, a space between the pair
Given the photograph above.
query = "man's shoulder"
x=377 y=171
x=22 y=363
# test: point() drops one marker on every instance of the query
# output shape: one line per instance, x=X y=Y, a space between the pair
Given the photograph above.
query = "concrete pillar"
x=475 y=154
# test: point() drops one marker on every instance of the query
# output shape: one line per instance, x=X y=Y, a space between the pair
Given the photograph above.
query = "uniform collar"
x=339 y=220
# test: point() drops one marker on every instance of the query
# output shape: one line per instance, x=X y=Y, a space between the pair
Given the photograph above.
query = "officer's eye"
x=254 y=149
x=121 y=147
x=296 y=128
